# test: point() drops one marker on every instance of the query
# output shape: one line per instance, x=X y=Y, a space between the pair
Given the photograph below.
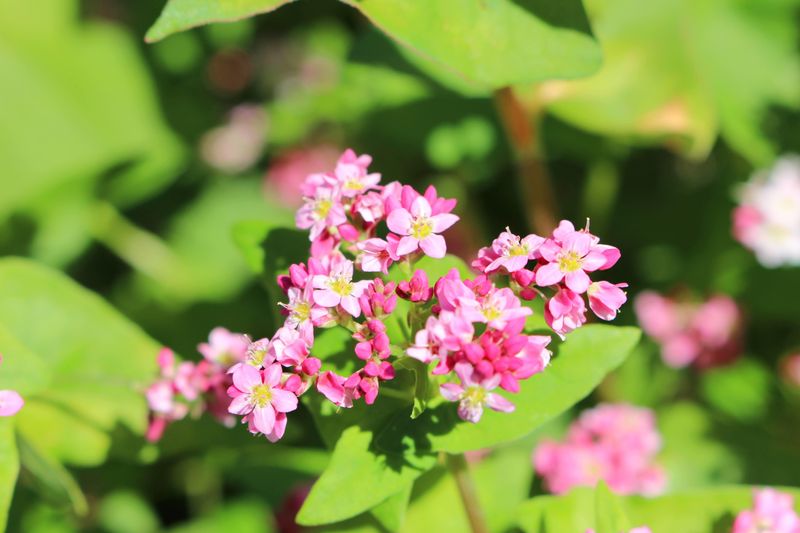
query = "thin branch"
x=537 y=189
x=469 y=498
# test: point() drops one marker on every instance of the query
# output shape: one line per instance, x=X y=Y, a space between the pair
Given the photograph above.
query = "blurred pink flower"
x=236 y=145
x=289 y=169
x=790 y=369
x=616 y=443
x=704 y=334
x=772 y=512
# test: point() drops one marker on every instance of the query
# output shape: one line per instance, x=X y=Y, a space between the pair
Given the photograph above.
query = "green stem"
x=537 y=189
x=466 y=489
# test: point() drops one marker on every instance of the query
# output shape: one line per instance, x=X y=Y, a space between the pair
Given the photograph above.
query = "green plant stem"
x=457 y=464
x=535 y=184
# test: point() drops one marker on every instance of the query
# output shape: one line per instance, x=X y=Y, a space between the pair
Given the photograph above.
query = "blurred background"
x=127 y=164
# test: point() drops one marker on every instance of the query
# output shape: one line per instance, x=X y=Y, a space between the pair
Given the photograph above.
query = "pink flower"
x=321 y=211
x=10 y=402
x=496 y=309
x=570 y=256
x=513 y=253
x=772 y=512
x=289 y=169
x=302 y=311
x=377 y=255
x=417 y=289
x=419 y=228
x=224 y=347
x=790 y=369
x=565 y=312
x=351 y=174
x=338 y=288
x=605 y=298
x=331 y=386
x=614 y=443
x=472 y=395
x=258 y=396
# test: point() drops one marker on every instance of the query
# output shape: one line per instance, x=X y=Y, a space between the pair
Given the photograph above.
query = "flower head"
x=339 y=289
x=772 y=512
x=258 y=396
x=473 y=395
x=419 y=228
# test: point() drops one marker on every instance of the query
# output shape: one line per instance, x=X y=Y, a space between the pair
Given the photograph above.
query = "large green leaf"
x=180 y=15
x=81 y=366
x=685 y=70
x=694 y=511
x=493 y=43
x=580 y=363
x=9 y=467
x=64 y=126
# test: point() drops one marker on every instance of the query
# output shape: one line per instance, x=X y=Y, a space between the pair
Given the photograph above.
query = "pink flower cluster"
x=705 y=335
x=470 y=331
x=772 y=512
x=616 y=443
x=562 y=263
x=188 y=388
x=10 y=401
x=767 y=219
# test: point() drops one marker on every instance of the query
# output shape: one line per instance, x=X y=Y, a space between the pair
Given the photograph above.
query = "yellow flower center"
x=475 y=395
x=421 y=228
x=301 y=311
x=353 y=185
x=341 y=286
x=261 y=395
x=518 y=249
x=569 y=262
x=491 y=313
x=322 y=207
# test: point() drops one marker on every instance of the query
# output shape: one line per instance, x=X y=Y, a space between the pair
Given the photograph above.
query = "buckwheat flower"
x=257 y=396
x=321 y=211
x=571 y=256
x=605 y=299
x=772 y=512
x=10 y=402
x=417 y=289
x=224 y=347
x=370 y=206
x=565 y=312
x=419 y=228
x=331 y=385
x=351 y=174
x=513 y=253
x=301 y=309
x=377 y=255
x=339 y=289
x=496 y=309
x=473 y=395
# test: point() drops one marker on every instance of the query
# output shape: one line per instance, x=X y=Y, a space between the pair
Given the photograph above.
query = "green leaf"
x=245 y=516
x=741 y=390
x=424 y=386
x=79 y=364
x=668 y=74
x=391 y=513
x=358 y=478
x=180 y=15
x=693 y=511
x=493 y=43
x=580 y=363
x=609 y=516
x=51 y=479
x=9 y=468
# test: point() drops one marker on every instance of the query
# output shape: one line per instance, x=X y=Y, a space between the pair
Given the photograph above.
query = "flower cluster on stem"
x=470 y=331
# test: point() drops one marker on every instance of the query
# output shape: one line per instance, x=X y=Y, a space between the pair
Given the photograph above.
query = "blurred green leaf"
x=693 y=511
x=180 y=15
x=580 y=363
x=608 y=513
x=9 y=467
x=80 y=365
x=241 y=516
x=455 y=34
x=741 y=390
x=127 y=512
x=682 y=71
x=391 y=514
x=51 y=479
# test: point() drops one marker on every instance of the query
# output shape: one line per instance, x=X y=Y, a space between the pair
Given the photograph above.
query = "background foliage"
x=140 y=216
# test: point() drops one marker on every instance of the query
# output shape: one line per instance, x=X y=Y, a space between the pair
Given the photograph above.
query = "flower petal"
x=264 y=419
x=578 y=281
x=407 y=245
x=434 y=246
x=240 y=405
x=272 y=375
x=451 y=391
x=399 y=221
x=443 y=222
x=420 y=207
x=498 y=403
x=283 y=401
x=245 y=377
x=548 y=274
x=278 y=429
x=326 y=298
